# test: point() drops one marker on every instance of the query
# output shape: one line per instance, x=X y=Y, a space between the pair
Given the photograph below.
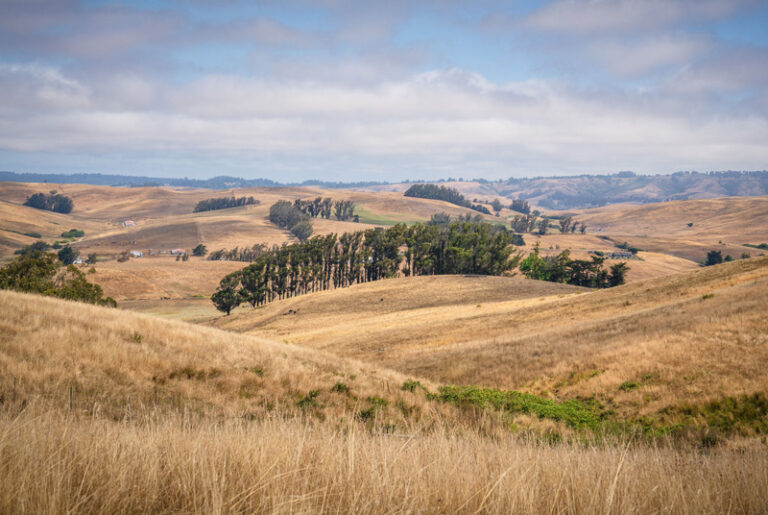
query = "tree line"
x=50 y=202
x=213 y=204
x=579 y=272
x=324 y=207
x=435 y=192
x=331 y=261
x=532 y=223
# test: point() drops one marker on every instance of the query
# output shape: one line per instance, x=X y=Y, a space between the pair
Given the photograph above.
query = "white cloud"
x=451 y=119
x=589 y=16
x=637 y=58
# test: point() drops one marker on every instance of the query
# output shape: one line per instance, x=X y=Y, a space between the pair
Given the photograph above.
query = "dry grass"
x=161 y=277
x=114 y=359
x=728 y=218
x=575 y=345
x=170 y=417
x=63 y=464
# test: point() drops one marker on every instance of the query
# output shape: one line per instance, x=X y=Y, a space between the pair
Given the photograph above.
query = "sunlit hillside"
x=685 y=338
x=109 y=411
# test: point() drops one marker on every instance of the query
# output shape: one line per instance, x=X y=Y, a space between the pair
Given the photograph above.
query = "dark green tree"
x=302 y=230
x=714 y=257
x=200 y=250
x=68 y=255
x=226 y=300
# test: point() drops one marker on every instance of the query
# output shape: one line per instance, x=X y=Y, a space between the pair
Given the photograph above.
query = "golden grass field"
x=137 y=410
x=169 y=417
x=695 y=336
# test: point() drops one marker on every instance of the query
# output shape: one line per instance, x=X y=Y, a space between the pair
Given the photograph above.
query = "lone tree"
x=496 y=205
x=200 y=250
x=226 y=300
x=302 y=230
x=565 y=224
x=714 y=257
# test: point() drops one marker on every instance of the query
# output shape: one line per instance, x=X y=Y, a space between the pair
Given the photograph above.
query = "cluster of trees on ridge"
x=579 y=272
x=324 y=207
x=213 y=204
x=39 y=272
x=530 y=223
x=287 y=216
x=435 y=192
x=331 y=261
x=50 y=202
x=521 y=206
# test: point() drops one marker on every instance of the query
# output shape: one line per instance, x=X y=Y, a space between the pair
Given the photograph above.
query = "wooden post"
x=71 y=397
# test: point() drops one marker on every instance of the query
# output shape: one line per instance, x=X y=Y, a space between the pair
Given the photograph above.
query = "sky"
x=344 y=90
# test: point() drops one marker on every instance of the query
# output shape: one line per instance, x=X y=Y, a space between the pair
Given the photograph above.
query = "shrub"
x=340 y=388
x=628 y=385
x=73 y=233
x=308 y=400
x=411 y=385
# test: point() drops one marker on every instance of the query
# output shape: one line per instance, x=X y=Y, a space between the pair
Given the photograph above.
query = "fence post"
x=71 y=397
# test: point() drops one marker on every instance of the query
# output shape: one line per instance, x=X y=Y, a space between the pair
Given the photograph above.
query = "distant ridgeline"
x=435 y=192
x=213 y=204
x=50 y=202
x=328 y=262
x=563 y=192
x=215 y=183
x=584 y=191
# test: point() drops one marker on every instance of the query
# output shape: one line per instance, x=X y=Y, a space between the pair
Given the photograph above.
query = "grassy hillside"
x=109 y=411
x=114 y=359
x=687 y=338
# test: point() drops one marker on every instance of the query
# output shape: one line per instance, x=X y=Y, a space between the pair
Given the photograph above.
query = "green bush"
x=73 y=233
x=308 y=400
x=411 y=385
x=40 y=273
x=340 y=388
x=628 y=385
x=572 y=412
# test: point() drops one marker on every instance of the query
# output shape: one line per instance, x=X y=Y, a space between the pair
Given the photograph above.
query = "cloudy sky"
x=352 y=90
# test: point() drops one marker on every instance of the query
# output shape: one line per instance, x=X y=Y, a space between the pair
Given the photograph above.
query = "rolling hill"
x=583 y=191
x=685 y=338
x=105 y=410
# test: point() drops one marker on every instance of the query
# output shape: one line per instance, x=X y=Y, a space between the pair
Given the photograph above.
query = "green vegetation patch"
x=577 y=414
x=369 y=217
x=744 y=414
x=73 y=233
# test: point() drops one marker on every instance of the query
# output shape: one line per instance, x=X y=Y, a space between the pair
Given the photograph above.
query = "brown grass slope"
x=116 y=360
x=381 y=319
x=686 y=338
x=167 y=417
